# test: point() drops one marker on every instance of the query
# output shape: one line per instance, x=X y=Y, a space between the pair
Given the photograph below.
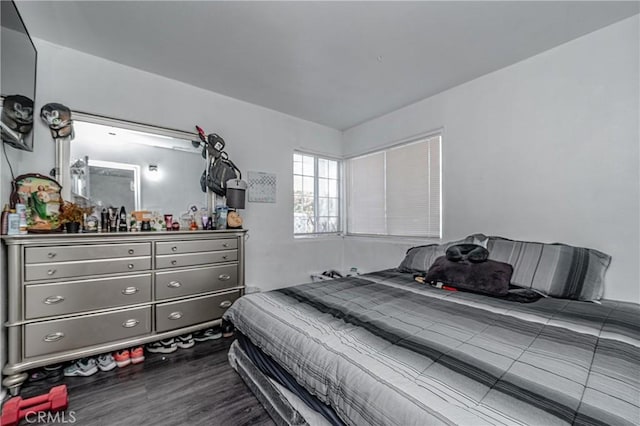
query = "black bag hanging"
x=221 y=170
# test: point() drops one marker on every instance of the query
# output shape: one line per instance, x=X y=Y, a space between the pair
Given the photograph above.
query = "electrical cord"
x=4 y=149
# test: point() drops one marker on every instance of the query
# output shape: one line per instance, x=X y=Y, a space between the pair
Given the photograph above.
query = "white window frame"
x=316 y=207
x=414 y=139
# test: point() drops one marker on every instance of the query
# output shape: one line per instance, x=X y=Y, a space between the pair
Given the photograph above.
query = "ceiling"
x=333 y=63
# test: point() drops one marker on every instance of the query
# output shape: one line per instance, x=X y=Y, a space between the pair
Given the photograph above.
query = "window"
x=316 y=194
x=396 y=191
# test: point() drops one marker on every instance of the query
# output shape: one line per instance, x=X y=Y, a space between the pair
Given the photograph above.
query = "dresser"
x=76 y=295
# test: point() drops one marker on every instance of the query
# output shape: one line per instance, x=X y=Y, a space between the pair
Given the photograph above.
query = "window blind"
x=366 y=201
x=396 y=191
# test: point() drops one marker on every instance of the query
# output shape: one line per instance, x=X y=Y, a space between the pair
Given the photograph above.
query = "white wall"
x=258 y=139
x=543 y=150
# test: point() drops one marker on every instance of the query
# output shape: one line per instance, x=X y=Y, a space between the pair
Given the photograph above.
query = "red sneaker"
x=122 y=358
x=137 y=355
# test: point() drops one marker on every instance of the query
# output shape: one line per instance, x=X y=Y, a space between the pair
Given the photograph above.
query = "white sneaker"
x=84 y=367
x=106 y=362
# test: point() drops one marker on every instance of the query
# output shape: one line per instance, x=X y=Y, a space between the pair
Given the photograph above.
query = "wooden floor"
x=195 y=386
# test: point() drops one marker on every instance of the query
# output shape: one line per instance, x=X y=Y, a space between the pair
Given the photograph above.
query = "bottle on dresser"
x=122 y=220
x=104 y=221
x=5 y=219
x=13 y=223
x=21 y=210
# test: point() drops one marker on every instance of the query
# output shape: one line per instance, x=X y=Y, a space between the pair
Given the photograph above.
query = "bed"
x=384 y=349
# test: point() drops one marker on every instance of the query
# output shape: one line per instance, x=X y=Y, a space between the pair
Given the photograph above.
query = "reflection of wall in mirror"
x=176 y=184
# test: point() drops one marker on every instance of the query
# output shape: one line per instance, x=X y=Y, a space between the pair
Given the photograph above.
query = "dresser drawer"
x=42 y=300
x=85 y=252
x=193 y=281
x=172 y=315
x=193 y=259
x=62 y=335
x=178 y=247
x=43 y=271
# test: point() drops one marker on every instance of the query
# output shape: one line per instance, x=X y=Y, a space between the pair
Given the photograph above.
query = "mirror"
x=111 y=164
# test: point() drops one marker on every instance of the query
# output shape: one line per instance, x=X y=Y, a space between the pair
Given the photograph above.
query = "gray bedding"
x=383 y=349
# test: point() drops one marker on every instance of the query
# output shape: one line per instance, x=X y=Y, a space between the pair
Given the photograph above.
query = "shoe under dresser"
x=76 y=295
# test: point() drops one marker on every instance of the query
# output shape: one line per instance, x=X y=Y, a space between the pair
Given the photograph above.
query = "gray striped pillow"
x=556 y=270
x=420 y=259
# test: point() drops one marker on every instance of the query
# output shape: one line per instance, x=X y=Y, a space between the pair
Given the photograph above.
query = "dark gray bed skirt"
x=274 y=401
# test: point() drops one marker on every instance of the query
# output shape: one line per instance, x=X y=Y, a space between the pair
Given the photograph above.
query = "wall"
x=543 y=150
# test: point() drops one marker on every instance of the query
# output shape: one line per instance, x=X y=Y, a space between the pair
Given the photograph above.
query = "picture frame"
x=42 y=197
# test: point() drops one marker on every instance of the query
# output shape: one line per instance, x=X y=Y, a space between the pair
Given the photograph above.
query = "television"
x=17 y=79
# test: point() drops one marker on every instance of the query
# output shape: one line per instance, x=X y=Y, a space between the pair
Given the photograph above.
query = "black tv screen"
x=18 y=79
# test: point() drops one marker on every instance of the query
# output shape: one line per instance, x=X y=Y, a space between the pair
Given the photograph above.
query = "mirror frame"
x=62 y=173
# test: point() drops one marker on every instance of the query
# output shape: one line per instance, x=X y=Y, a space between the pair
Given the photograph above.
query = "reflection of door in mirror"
x=104 y=160
x=114 y=184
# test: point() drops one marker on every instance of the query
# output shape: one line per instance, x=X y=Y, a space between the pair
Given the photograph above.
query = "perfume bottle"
x=122 y=220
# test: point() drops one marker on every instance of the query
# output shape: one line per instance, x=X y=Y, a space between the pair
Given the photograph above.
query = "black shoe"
x=227 y=329
x=163 y=346
x=185 y=341
x=50 y=372
x=208 y=334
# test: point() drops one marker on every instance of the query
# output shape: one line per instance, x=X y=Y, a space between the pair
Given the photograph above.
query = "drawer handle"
x=51 y=255
x=174 y=284
x=174 y=262
x=174 y=248
x=52 y=300
x=225 y=257
x=225 y=245
x=51 y=271
x=54 y=337
x=175 y=315
x=130 y=323
x=130 y=290
x=224 y=277
x=130 y=266
x=225 y=304
x=131 y=251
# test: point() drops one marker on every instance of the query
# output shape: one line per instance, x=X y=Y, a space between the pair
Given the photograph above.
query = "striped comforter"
x=383 y=349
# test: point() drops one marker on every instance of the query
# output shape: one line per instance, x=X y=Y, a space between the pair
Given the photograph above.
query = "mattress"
x=383 y=349
x=283 y=405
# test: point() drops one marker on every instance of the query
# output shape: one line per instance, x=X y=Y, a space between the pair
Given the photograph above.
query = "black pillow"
x=490 y=277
